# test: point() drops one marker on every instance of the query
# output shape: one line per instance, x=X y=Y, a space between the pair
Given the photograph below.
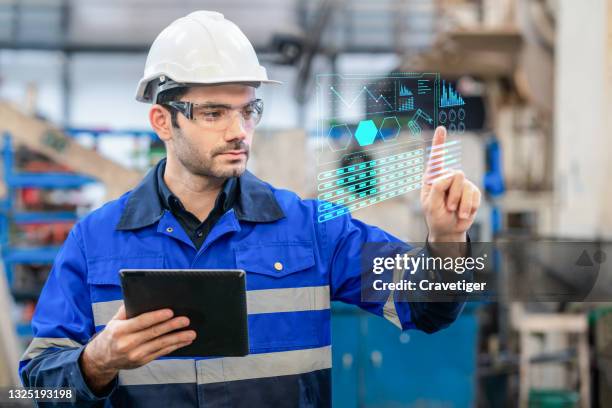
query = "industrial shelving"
x=9 y=214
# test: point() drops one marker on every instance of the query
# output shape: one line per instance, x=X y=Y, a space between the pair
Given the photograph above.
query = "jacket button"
x=169 y=229
x=278 y=266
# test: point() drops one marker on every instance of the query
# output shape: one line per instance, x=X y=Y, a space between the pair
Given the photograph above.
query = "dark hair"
x=171 y=95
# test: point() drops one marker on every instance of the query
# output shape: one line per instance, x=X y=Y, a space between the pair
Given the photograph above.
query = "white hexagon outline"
x=399 y=128
x=348 y=139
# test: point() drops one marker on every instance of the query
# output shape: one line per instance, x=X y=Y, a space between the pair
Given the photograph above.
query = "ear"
x=161 y=122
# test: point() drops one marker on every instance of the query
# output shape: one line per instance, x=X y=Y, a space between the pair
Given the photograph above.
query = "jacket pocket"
x=105 y=271
x=105 y=285
x=287 y=300
x=275 y=259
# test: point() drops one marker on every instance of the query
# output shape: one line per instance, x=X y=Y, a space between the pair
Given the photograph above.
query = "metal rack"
x=9 y=214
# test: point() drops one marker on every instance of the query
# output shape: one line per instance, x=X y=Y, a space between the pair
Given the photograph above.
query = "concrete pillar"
x=583 y=119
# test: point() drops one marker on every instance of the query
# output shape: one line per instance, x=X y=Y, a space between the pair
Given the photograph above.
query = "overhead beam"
x=44 y=138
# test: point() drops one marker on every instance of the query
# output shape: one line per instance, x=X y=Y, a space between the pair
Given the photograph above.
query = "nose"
x=236 y=129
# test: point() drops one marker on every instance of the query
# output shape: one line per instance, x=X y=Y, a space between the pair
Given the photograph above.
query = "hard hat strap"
x=159 y=85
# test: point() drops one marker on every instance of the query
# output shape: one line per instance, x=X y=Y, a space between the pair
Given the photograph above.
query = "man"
x=200 y=208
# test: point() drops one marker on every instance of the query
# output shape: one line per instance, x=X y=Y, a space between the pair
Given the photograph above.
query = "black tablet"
x=213 y=300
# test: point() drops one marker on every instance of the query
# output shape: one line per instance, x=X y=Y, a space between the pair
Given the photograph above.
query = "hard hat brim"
x=144 y=82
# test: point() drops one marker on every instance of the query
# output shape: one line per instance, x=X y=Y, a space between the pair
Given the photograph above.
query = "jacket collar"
x=224 y=201
x=255 y=203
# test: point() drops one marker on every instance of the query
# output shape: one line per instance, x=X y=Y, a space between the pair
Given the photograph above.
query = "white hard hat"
x=200 y=48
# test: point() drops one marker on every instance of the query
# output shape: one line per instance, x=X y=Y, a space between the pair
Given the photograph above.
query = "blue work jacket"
x=295 y=266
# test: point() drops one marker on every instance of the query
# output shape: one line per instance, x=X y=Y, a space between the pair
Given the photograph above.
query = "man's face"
x=210 y=152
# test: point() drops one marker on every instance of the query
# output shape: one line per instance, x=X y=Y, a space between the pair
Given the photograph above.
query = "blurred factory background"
x=536 y=76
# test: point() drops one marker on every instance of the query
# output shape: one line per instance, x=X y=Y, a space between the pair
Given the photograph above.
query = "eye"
x=252 y=110
x=248 y=112
x=210 y=114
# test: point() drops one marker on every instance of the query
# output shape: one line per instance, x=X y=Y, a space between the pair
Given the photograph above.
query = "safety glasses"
x=218 y=116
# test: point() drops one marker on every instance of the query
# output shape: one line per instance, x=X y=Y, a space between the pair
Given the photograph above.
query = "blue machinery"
x=376 y=365
x=494 y=182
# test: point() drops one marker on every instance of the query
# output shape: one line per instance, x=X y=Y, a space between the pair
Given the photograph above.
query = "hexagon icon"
x=393 y=127
x=366 y=132
x=339 y=137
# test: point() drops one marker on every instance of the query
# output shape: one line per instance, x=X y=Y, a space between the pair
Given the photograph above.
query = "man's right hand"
x=130 y=343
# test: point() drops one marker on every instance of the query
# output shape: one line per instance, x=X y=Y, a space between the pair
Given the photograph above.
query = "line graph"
x=365 y=167
x=365 y=89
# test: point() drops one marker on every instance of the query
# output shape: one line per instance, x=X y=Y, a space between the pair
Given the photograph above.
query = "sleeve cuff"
x=75 y=376
x=468 y=242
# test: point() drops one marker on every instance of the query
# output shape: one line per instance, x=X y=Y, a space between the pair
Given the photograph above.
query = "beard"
x=209 y=164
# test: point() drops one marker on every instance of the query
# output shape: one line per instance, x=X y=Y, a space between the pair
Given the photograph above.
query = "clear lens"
x=220 y=117
x=205 y=114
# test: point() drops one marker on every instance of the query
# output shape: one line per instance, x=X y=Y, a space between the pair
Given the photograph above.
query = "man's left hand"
x=449 y=200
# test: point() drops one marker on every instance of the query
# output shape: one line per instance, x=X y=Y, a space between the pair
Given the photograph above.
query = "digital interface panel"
x=375 y=134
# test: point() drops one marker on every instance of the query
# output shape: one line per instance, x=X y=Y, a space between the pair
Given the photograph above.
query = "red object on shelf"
x=28 y=311
x=47 y=234
x=31 y=197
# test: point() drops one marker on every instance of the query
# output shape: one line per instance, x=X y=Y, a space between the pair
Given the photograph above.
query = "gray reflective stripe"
x=103 y=312
x=40 y=344
x=173 y=371
x=389 y=309
x=263 y=365
x=167 y=371
x=390 y=312
x=288 y=300
x=258 y=301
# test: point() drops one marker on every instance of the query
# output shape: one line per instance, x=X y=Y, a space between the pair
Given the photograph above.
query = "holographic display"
x=374 y=135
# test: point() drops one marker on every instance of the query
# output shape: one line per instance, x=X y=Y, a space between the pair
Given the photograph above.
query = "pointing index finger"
x=435 y=163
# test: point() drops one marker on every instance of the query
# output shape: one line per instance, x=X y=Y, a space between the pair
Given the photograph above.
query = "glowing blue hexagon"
x=393 y=127
x=339 y=137
x=366 y=132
